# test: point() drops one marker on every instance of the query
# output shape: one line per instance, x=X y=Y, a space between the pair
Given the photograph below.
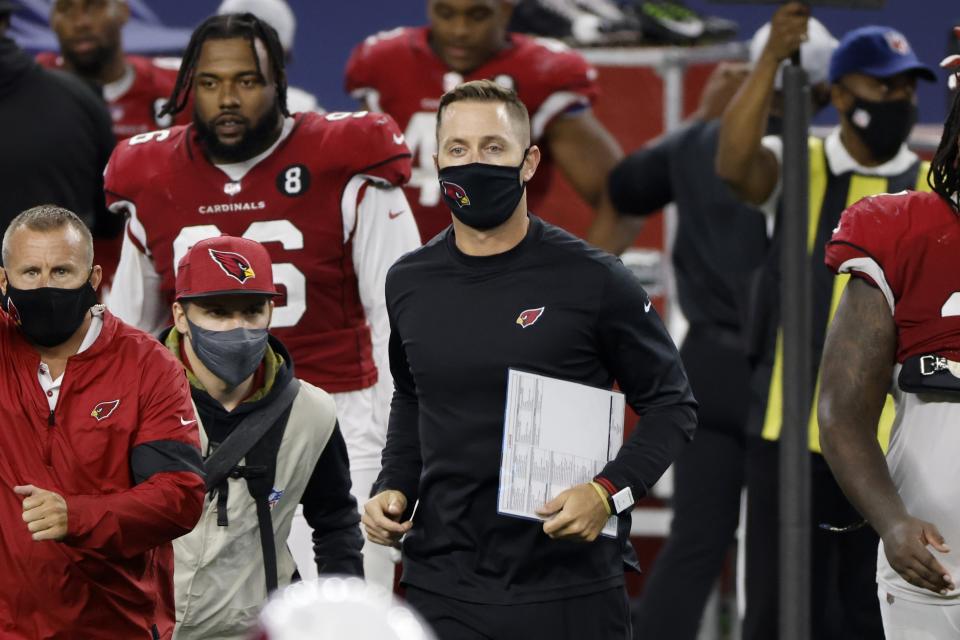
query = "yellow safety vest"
x=861 y=186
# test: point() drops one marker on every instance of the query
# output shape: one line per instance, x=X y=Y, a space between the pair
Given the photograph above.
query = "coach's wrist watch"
x=620 y=500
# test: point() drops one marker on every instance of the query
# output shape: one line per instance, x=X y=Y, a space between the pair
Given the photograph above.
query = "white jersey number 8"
x=284 y=273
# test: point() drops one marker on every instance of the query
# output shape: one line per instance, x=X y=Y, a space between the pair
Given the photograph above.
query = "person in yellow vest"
x=873 y=76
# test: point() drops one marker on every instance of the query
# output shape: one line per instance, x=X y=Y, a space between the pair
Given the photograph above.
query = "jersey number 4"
x=284 y=273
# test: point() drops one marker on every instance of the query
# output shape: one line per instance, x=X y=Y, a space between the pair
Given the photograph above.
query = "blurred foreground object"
x=335 y=608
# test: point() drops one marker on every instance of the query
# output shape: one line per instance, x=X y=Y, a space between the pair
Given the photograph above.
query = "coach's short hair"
x=489 y=91
x=48 y=217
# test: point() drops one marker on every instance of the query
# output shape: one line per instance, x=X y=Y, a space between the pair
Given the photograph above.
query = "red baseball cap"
x=225 y=266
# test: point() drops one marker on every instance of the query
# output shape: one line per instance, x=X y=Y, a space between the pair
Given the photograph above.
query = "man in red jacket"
x=99 y=451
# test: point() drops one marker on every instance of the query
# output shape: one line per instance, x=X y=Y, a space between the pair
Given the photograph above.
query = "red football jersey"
x=290 y=200
x=398 y=73
x=135 y=110
x=907 y=245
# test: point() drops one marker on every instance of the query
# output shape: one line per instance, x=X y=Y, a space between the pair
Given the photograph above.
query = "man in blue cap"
x=873 y=75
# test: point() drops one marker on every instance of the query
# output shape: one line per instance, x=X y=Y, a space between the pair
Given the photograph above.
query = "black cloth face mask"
x=233 y=355
x=883 y=126
x=49 y=316
x=482 y=196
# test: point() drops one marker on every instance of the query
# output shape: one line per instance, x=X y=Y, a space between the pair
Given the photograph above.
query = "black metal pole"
x=797 y=365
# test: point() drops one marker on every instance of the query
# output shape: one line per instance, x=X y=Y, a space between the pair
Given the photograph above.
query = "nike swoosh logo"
x=186 y=423
x=646 y=307
x=398 y=138
x=395 y=214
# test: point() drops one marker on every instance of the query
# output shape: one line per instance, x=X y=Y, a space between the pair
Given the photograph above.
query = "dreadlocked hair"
x=225 y=27
x=944 y=175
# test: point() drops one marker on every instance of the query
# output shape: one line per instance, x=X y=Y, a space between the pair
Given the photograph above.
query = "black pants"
x=843 y=581
x=708 y=478
x=598 y=616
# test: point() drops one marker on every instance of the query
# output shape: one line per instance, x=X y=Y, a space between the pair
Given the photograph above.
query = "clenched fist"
x=45 y=512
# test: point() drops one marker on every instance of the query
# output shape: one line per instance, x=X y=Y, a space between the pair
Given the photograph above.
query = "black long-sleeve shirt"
x=57 y=138
x=454 y=336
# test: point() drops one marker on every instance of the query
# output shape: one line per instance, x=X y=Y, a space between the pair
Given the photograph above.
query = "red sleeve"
x=864 y=244
x=47 y=59
x=370 y=144
x=564 y=83
x=569 y=71
x=359 y=71
x=133 y=163
x=367 y=58
x=167 y=499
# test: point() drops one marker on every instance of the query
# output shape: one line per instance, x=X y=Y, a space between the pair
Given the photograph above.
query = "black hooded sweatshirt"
x=56 y=140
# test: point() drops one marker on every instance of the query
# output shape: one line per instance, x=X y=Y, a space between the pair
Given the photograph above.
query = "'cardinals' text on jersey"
x=907 y=244
x=301 y=199
x=549 y=78
x=136 y=99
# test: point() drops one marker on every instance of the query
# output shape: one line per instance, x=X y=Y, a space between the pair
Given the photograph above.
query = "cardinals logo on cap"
x=233 y=264
x=530 y=316
x=13 y=312
x=897 y=42
x=456 y=192
x=104 y=410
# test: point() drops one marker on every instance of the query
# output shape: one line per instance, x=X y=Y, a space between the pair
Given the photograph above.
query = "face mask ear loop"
x=520 y=167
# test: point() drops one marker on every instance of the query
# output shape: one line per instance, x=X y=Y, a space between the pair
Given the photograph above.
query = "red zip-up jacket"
x=122 y=448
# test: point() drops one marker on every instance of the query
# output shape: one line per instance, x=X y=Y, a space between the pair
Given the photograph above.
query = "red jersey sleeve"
x=567 y=70
x=166 y=466
x=369 y=144
x=367 y=60
x=133 y=164
x=564 y=82
x=47 y=59
x=864 y=244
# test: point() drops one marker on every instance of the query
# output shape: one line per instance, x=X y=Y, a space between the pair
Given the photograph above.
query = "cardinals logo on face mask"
x=104 y=410
x=12 y=312
x=456 y=192
x=233 y=264
x=530 y=316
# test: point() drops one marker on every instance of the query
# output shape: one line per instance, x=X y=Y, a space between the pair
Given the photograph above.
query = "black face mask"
x=232 y=355
x=482 y=196
x=49 y=316
x=883 y=126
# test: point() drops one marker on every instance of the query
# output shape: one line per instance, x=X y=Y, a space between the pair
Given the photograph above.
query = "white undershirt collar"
x=113 y=91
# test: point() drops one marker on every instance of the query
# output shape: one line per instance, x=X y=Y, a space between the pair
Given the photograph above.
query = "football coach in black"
x=503 y=289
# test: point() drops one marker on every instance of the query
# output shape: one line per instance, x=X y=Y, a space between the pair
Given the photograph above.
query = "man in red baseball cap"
x=270 y=441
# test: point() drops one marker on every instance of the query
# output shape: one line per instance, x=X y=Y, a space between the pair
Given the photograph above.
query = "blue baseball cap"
x=876 y=51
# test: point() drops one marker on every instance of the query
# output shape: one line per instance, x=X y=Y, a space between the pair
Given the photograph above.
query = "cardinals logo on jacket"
x=456 y=192
x=233 y=264
x=104 y=410
x=528 y=317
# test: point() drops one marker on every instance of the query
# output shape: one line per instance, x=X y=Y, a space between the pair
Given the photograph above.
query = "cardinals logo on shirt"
x=104 y=410
x=530 y=316
x=13 y=312
x=233 y=264
x=456 y=192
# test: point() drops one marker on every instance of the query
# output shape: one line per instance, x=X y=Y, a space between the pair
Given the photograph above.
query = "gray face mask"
x=234 y=355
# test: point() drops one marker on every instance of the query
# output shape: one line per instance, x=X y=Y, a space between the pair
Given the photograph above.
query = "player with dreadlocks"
x=897 y=329
x=321 y=192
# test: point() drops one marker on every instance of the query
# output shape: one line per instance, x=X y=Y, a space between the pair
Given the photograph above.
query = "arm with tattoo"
x=856 y=372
